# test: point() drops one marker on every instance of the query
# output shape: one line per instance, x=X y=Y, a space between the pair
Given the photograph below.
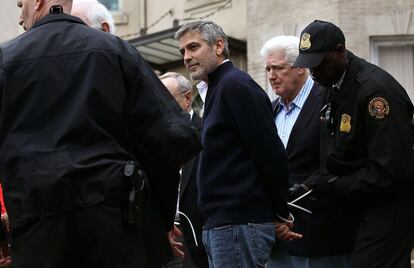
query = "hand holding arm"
x=284 y=231
x=177 y=247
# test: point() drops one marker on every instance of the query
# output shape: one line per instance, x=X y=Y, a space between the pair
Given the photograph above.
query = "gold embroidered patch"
x=305 y=42
x=378 y=107
x=345 y=123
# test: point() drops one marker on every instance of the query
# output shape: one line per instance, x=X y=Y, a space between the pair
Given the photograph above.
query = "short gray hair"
x=209 y=30
x=183 y=84
x=289 y=45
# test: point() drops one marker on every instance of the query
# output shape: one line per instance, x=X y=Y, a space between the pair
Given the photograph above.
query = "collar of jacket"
x=352 y=73
x=214 y=77
x=351 y=69
x=275 y=106
x=57 y=17
x=218 y=73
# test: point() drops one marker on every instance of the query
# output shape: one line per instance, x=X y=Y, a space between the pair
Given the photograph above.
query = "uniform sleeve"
x=156 y=120
x=161 y=135
x=253 y=116
x=389 y=147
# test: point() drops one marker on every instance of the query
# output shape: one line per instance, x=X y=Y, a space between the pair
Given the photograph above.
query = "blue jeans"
x=280 y=259
x=239 y=246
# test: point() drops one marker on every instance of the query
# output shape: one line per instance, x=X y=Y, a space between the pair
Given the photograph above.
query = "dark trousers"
x=84 y=237
x=385 y=235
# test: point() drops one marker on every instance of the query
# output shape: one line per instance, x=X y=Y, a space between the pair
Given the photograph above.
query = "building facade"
x=381 y=31
x=9 y=20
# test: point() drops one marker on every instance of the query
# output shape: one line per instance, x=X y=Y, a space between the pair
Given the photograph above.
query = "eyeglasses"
x=181 y=93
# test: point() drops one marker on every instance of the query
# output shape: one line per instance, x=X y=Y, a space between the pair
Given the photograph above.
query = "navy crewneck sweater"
x=243 y=170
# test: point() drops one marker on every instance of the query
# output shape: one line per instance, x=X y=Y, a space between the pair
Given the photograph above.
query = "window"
x=396 y=56
x=111 y=5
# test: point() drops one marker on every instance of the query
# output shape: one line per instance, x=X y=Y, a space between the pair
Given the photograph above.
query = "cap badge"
x=378 y=108
x=305 y=42
x=345 y=123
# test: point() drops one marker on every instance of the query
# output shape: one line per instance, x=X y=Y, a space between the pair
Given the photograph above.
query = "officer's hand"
x=177 y=247
x=321 y=184
x=297 y=190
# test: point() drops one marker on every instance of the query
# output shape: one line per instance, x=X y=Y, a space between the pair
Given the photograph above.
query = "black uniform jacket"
x=327 y=231
x=369 y=142
x=76 y=104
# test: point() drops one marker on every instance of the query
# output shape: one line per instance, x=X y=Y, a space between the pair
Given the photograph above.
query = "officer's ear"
x=341 y=54
x=39 y=4
x=340 y=49
x=301 y=70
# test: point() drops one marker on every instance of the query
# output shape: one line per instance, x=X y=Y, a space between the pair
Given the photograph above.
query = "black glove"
x=300 y=200
x=321 y=184
x=297 y=190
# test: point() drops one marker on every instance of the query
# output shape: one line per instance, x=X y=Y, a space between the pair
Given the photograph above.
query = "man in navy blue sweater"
x=243 y=171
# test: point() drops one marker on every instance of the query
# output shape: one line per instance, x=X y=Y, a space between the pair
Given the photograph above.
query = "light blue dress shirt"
x=286 y=116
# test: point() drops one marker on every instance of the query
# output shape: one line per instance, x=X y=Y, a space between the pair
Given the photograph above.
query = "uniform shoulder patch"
x=378 y=108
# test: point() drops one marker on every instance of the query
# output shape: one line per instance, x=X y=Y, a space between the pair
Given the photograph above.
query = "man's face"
x=27 y=13
x=330 y=70
x=199 y=58
x=285 y=80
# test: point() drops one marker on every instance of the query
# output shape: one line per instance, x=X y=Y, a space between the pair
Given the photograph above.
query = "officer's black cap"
x=316 y=40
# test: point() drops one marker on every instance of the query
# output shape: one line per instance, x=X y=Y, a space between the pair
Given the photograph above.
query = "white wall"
x=9 y=20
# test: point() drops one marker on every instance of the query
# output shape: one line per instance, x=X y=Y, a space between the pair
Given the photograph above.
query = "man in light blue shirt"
x=288 y=112
x=297 y=118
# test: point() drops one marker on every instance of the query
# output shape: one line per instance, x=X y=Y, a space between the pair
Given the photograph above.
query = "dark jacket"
x=76 y=104
x=243 y=172
x=327 y=231
x=369 y=145
x=188 y=205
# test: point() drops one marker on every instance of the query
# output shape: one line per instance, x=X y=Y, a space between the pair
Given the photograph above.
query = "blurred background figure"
x=181 y=89
x=94 y=14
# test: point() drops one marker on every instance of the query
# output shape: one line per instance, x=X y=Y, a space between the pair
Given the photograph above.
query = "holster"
x=136 y=194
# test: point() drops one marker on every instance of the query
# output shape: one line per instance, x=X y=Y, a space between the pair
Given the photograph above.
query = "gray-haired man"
x=242 y=173
x=94 y=14
x=327 y=233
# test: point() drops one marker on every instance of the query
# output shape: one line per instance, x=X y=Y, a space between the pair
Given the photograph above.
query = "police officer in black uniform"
x=83 y=119
x=366 y=146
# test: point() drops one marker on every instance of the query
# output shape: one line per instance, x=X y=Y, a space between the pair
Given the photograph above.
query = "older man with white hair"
x=327 y=236
x=94 y=14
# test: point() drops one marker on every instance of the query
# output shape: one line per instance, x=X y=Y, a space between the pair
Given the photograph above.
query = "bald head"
x=94 y=14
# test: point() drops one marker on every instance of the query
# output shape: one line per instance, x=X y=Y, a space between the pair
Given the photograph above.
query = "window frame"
x=120 y=6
